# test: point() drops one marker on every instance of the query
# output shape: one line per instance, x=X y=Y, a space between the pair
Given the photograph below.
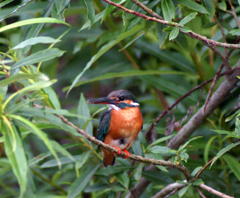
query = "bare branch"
x=234 y=14
x=202 y=38
x=174 y=187
x=147 y=9
x=213 y=191
x=217 y=98
x=164 y=113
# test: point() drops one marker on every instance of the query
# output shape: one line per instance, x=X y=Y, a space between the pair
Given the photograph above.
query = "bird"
x=120 y=124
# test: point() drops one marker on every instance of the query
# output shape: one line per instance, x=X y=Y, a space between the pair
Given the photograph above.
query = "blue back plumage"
x=104 y=125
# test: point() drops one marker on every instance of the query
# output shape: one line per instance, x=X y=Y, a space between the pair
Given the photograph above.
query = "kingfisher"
x=120 y=124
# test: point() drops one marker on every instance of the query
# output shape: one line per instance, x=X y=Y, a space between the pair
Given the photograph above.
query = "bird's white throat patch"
x=112 y=106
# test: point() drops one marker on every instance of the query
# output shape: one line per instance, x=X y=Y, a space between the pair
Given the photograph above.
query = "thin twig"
x=234 y=14
x=174 y=187
x=201 y=193
x=213 y=191
x=164 y=113
x=217 y=98
x=147 y=9
x=191 y=34
x=203 y=168
x=214 y=81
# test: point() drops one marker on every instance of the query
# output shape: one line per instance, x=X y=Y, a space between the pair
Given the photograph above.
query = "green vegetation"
x=55 y=54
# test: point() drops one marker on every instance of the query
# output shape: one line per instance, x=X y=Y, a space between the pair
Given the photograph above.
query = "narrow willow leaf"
x=2 y=4
x=16 y=78
x=207 y=148
x=130 y=73
x=162 y=150
x=31 y=21
x=34 y=41
x=168 y=9
x=188 y=18
x=233 y=164
x=103 y=50
x=83 y=110
x=40 y=56
x=80 y=183
x=183 y=191
x=15 y=154
x=223 y=151
x=235 y=32
x=194 y=6
x=174 y=33
x=163 y=139
x=32 y=87
x=52 y=98
x=90 y=10
x=188 y=142
x=42 y=136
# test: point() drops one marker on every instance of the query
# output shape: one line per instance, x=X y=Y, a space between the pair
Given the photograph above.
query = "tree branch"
x=194 y=35
x=213 y=191
x=174 y=187
x=217 y=98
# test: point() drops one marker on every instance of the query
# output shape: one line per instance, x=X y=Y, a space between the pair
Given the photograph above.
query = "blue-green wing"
x=104 y=125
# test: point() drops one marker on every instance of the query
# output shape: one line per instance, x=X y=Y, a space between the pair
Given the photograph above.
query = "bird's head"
x=117 y=99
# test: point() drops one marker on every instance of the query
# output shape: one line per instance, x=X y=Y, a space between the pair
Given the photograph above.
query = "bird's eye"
x=120 y=98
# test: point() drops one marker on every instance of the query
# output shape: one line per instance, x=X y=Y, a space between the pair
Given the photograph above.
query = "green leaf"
x=233 y=164
x=223 y=151
x=183 y=191
x=15 y=154
x=34 y=41
x=40 y=56
x=53 y=98
x=16 y=78
x=168 y=9
x=208 y=148
x=162 y=150
x=90 y=10
x=160 y=140
x=188 y=142
x=31 y=21
x=188 y=18
x=130 y=73
x=2 y=4
x=42 y=136
x=32 y=87
x=194 y=6
x=83 y=110
x=235 y=32
x=124 y=180
x=222 y=5
x=80 y=183
x=174 y=33
x=104 y=49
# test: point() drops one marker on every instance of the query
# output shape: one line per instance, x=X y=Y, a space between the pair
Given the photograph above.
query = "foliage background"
x=73 y=50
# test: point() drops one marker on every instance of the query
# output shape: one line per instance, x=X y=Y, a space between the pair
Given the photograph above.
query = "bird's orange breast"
x=125 y=123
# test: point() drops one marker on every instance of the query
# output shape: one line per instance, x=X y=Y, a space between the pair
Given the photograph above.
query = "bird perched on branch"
x=120 y=124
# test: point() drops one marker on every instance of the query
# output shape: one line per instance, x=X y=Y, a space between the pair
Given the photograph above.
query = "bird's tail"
x=108 y=158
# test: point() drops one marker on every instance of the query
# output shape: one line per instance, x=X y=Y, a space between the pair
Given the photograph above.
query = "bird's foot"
x=126 y=154
x=119 y=151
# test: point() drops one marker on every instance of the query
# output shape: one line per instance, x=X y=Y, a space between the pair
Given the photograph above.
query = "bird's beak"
x=103 y=100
